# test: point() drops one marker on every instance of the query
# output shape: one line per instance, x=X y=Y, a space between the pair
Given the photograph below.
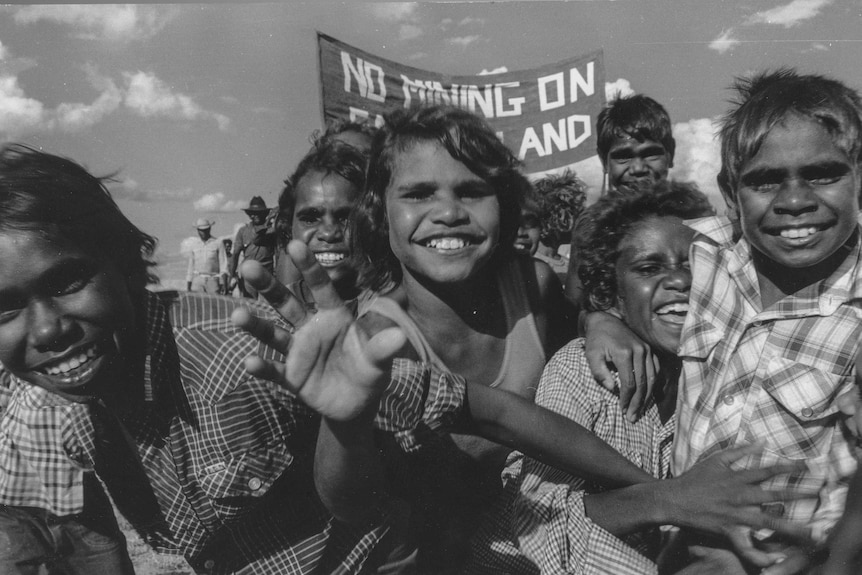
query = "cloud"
x=724 y=42
x=417 y=56
x=394 y=11
x=409 y=32
x=129 y=189
x=617 y=88
x=73 y=117
x=218 y=202
x=498 y=70
x=698 y=157
x=470 y=20
x=464 y=41
x=20 y=114
x=115 y=22
x=789 y=15
x=151 y=97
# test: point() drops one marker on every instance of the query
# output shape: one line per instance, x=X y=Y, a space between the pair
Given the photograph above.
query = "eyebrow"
x=771 y=174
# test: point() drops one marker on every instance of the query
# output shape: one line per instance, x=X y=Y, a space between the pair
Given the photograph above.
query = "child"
x=773 y=323
x=435 y=228
x=529 y=235
x=635 y=145
x=146 y=389
x=314 y=207
x=561 y=197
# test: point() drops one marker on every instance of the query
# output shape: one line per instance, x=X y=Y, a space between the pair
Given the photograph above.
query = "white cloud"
x=724 y=42
x=617 y=88
x=498 y=70
x=789 y=15
x=218 y=202
x=464 y=41
x=409 y=32
x=129 y=189
x=72 y=117
x=20 y=114
x=470 y=20
x=417 y=56
x=394 y=11
x=151 y=97
x=117 y=22
x=698 y=157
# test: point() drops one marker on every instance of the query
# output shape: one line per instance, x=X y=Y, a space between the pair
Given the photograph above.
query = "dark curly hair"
x=602 y=227
x=767 y=99
x=469 y=140
x=561 y=199
x=330 y=157
x=60 y=199
x=335 y=128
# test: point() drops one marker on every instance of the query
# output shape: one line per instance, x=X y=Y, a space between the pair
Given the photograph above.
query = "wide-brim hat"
x=203 y=224
x=256 y=206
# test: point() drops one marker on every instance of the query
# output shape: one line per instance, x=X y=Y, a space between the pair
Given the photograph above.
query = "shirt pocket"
x=799 y=411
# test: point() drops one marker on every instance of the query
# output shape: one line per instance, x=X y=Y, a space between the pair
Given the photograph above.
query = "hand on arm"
x=335 y=368
x=610 y=342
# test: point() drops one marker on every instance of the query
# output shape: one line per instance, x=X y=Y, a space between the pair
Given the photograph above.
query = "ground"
x=147 y=561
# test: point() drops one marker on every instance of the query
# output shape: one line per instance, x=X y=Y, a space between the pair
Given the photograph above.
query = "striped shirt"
x=752 y=374
x=228 y=456
x=543 y=511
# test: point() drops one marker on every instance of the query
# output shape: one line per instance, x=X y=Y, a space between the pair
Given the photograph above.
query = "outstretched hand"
x=332 y=364
x=714 y=497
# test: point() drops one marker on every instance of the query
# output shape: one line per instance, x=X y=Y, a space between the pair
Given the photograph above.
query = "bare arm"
x=511 y=420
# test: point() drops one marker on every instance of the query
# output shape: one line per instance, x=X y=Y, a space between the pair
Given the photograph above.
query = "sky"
x=199 y=107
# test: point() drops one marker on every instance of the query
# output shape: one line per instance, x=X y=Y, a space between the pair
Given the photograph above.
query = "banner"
x=545 y=115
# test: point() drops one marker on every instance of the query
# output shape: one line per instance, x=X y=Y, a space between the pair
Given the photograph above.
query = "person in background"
x=207 y=271
x=561 y=197
x=528 y=238
x=636 y=147
x=254 y=241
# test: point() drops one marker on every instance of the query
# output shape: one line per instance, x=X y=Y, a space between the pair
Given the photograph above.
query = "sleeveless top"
x=524 y=355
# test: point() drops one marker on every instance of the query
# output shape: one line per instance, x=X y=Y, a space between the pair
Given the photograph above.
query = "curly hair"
x=60 y=199
x=602 y=227
x=469 y=140
x=561 y=198
x=636 y=116
x=767 y=99
x=335 y=128
x=332 y=157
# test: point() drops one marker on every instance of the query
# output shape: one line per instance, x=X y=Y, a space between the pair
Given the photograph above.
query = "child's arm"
x=610 y=341
x=511 y=420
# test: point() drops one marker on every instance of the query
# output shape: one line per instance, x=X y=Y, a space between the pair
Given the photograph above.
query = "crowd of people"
x=436 y=366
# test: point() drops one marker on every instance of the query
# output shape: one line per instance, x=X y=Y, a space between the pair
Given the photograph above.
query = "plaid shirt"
x=751 y=374
x=228 y=456
x=543 y=511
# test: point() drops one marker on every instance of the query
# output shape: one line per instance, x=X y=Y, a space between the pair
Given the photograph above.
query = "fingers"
x=265 y=369
x=384 y=345
x=743 y=545
x=601 y=372
x=644 y=380
x=316 y=278
x=733 y=454
x=275 y=293
x=264 y=330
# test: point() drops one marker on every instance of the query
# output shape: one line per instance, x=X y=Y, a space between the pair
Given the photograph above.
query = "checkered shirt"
x=542 y=512
x=770 y=375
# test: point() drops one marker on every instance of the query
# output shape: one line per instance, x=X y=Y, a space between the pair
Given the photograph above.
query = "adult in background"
x=254 y=242
x=207 y=271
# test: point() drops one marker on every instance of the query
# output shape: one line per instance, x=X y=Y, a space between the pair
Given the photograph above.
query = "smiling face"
x=323 y=205
x=65 y=315
x=798 y=197
x=444 y=220
x=529 y=232
x=633 y=162
x=653 y=280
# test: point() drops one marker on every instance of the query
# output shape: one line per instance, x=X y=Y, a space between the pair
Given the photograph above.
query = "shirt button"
x=807 y=412
x=254 y=483
x=209 y=564
x=728 y=399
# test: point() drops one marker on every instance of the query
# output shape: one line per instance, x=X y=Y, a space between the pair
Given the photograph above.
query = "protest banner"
x=545 y=115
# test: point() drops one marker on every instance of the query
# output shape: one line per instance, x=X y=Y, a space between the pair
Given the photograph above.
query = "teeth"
x=678 y=307
x=796 y=233
x=329 y=257
x=446 y=243
x=72 y=363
